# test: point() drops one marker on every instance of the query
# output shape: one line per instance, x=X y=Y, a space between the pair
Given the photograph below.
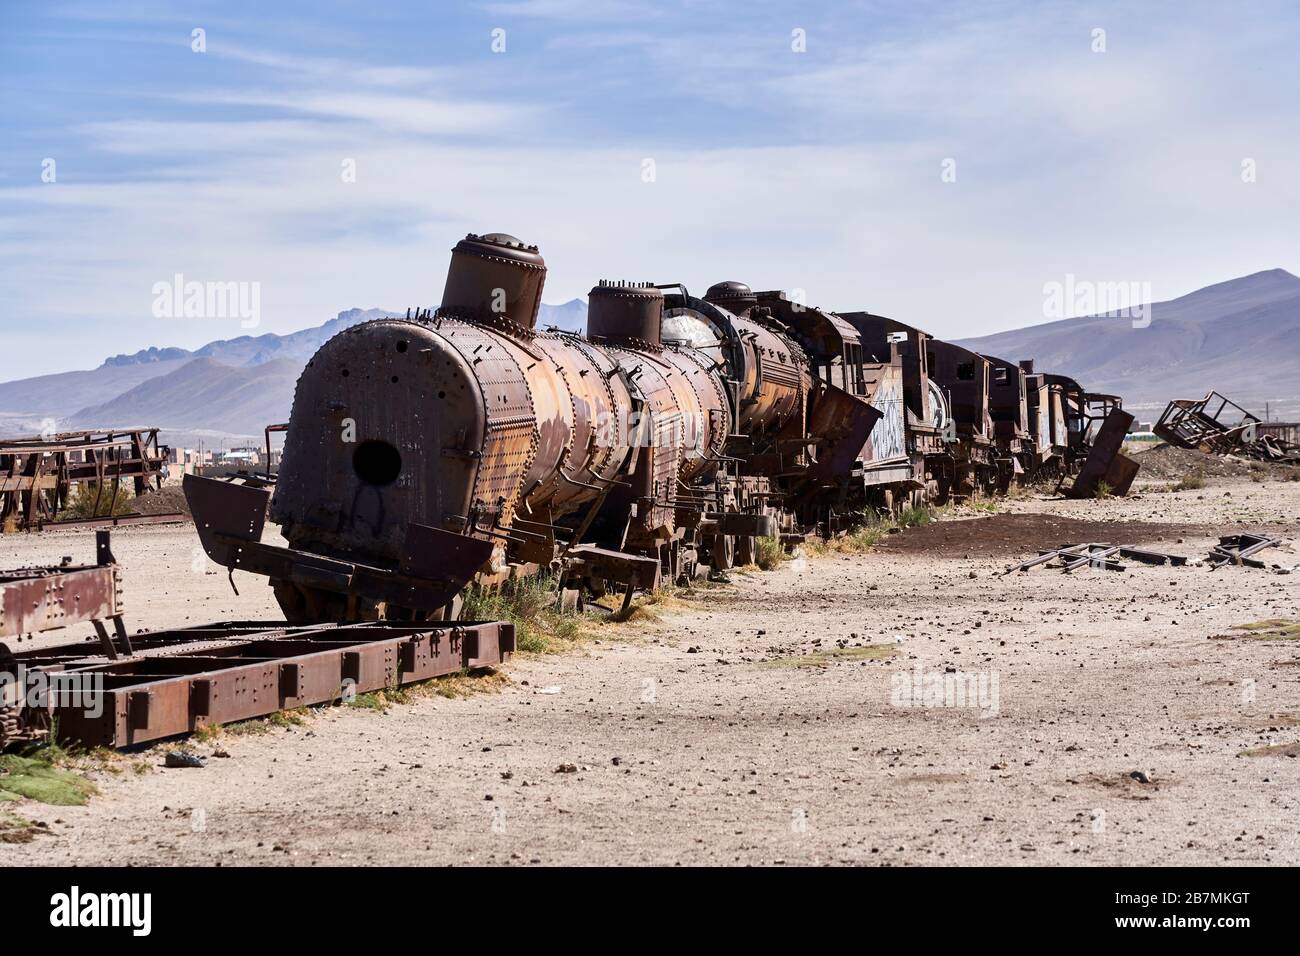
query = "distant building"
x=242 y=456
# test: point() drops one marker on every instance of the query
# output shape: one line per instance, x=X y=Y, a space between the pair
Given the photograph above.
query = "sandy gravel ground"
x=693 y=738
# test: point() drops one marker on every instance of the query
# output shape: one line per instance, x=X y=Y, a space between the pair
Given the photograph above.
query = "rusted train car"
x=465 y=444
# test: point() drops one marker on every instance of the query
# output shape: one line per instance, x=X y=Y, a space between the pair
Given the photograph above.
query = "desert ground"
x=1116 y=717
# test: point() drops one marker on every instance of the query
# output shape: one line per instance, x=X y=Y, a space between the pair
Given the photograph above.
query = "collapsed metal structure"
x=1218 y=425
x=464 y=445
x=37 y=473
x=1233 y=549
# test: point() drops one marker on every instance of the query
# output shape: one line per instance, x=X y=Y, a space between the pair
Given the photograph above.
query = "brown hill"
x=1240 y=337
x=202 y=400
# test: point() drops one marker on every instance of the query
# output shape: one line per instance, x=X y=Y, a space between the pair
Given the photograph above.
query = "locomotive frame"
x=464 y=445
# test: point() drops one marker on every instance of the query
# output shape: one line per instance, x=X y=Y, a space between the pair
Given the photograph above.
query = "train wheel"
x=723 y=553
x=744 y=549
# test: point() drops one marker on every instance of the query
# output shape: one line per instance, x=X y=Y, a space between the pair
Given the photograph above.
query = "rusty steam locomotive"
x=464 y=445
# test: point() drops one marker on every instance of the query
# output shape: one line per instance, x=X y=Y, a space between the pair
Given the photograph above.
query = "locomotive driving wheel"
x=744 y=550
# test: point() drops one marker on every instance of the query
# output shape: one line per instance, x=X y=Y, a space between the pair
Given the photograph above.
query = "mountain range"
x=1240 y=337
x=221 y=394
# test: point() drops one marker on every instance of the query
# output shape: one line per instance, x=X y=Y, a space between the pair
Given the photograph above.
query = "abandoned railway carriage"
x=466 y=445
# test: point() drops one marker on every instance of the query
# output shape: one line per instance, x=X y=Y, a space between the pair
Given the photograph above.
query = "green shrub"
x=83 y=502
x=529 y=603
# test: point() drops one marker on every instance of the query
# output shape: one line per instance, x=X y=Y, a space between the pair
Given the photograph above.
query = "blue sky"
x=817 y=170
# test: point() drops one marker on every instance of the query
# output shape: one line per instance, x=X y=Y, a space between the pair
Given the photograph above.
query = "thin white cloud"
x=1114 y=167
x=573 y=9
x=332 y=69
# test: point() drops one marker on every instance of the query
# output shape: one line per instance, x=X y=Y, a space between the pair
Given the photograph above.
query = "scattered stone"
x=183 y=758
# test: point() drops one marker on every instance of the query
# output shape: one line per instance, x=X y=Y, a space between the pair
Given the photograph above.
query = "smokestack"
x=494 y=275
x=625 y=312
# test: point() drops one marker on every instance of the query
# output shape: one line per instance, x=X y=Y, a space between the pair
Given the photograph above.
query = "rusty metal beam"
x=42 y=599
x=179 y=681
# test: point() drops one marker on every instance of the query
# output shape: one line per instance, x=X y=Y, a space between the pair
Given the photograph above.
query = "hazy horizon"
x=555 y=305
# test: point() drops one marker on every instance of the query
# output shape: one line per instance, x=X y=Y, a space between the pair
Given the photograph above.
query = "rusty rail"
x=181 y=680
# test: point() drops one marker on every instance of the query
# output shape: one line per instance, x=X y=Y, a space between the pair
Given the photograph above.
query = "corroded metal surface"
x=464 y=446
x=1105 y=463
x=34 y=600
x=180 y=681
x=38 y=473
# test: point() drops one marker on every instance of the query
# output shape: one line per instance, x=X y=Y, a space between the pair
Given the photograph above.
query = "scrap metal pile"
x=465 y=446
x=38 y=473
x=1233 y=549
x=1071 y=557
x=1216 y=425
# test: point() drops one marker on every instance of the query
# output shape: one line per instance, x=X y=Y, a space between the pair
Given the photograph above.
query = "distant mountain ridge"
x=229 y=388
x=202 y=397
x=146 y=356
x=256 y=349
x=1240 y=337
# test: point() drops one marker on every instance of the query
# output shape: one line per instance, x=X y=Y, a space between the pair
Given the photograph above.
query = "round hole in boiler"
x=401 y=345
x=377 y=462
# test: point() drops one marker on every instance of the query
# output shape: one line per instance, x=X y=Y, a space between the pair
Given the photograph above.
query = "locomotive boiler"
x=464 y=444
x=467 y=444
